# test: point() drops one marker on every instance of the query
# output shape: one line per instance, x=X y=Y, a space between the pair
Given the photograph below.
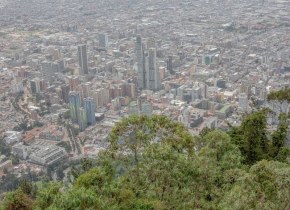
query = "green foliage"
x=280 y=95
x=78 y=199
x=265 y=186
x=253 y=141
x=15 y=160
x=278 y=150
x=154 y=163
x=17 y=200
x=47 y=194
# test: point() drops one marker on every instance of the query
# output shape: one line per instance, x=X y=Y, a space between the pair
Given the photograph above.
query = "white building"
x=243 y=102
x=12 y=137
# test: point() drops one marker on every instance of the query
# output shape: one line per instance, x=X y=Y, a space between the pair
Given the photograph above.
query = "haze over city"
x=71 y=70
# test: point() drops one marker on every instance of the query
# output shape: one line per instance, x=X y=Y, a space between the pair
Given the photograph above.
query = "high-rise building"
x=49 y=69
x=33 y=87
x=151 y=43
x=153 y=77
x=74 y=105
x=73 y=83
x=246 y=88
x=65 y=93
x=83 y=59
x=140 y=63
x=243 y=102
x=103 y=40
x=147 y=73
x=90 y=107
x=170 y=65
x=83 y=123
x=162 y=72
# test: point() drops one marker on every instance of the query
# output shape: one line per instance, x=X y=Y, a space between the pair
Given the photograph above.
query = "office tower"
x=170 y=65
x=116 y=104
x=204 y=90
x=83 y=59
x=82 y=119
x=42 y=84
x=33 y=87
x=73 y=83
x=65 y=93
x=151 y=43
x=90 y=107
x=131 y=90
x=61 y=65
x=261 y=92
x=220 y=83
x=162 y=72
x=153 y=76
x=243 y=102
x=140 y=63
x=196 y=93
x=85 y=88
x=74 y=105
x=180 y=92
x=246 y=88
x=48 y=70
x=186 y=116
x=103 y=40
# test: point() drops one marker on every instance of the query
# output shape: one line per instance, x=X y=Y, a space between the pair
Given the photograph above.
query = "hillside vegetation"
x=155 y=163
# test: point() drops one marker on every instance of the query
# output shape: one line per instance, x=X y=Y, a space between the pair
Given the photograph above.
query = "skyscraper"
x=103 y=40
x=170 y=65
x=82 y=119
x=48 y=70
x=83 y=59
x=65 y=93
x=73 y=83
x=74 y=105
x=90 y=107
x=33 y=87
x=140 y=63
x=243 y=102
x=147 y=73
x=153 y=76
x=151 y=43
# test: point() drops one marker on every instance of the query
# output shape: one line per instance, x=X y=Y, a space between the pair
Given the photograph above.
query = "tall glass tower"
x=74 y=105
x=83 y=59
x=90 y=107
x=140 y=63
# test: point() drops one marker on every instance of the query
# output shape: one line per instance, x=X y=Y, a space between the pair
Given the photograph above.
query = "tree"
x=47 y=194
x=280 y=95
x=15 y=160
x=266 y=186
x=134 y=133
x=17 y=200
x=26 y=186
x=251 y=137
x=81 y=198
x=169 y=174
x=253 y=140
x=279 y=137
